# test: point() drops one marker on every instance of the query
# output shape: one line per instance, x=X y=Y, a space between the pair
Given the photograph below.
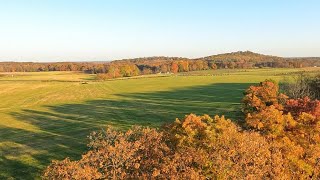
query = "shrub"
x=270 y=121
x=301 y=86
x=314 y=85
x=197 y=147
x=139 y=153
x=259 y=97
x=297 y=106
x=295 y=131
x=220 y=149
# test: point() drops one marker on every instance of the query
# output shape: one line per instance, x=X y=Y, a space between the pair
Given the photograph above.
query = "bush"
x=297 y=106
x=261 y=96
x=139 y=153
x=314 y=85
x=296 y=130
x=220 y=150
x=302 y=85
x=197 y=147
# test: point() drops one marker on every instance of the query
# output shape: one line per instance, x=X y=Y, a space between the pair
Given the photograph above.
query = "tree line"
x=153 y=65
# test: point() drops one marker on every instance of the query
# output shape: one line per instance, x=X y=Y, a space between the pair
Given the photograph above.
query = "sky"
x=100 y=30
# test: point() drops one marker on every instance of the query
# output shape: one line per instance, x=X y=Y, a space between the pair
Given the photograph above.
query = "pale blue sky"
x=79 y=30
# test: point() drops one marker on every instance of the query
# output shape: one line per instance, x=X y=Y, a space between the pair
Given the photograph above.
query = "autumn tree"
x=196 y=147
x=174 y=67
x=263 y=95
x=294 y=128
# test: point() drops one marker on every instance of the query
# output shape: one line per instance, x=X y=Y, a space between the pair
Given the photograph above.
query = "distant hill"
x=242 y=55
x=148 y=59
x=163 y=64
x=233 y=56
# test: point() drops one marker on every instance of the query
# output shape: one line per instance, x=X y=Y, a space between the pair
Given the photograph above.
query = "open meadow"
x=48 y=115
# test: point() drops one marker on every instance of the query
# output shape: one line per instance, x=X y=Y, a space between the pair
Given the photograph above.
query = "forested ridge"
x=161 y=64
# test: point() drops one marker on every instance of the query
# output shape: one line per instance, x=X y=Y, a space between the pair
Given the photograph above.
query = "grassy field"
x=48 y=115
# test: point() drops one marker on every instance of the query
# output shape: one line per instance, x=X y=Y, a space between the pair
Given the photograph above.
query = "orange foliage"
x=270 y=121
x=298 y=106
x=220 y=150
x=278 y=143
x=197 y=147
x=295 y=131
x=259 y=97
x=174 y=67
x=139 y=153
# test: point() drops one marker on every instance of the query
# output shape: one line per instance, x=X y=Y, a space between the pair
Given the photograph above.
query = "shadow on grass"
x=64 y=128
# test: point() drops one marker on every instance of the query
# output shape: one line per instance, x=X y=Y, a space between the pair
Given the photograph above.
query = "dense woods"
x=278 y=139
x=153 y=65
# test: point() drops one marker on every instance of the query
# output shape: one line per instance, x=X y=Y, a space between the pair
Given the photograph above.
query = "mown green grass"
x=48 y=115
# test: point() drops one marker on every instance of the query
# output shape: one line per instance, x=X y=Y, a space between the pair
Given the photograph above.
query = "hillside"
x=243 y=55
x=162 y=64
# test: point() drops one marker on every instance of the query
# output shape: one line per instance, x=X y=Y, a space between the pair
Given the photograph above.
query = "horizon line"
x=137 y=57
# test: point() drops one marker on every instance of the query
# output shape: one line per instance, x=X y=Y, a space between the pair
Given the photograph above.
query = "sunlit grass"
x=47 y=115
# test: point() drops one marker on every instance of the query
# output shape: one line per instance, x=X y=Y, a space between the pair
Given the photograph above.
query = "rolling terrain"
x=48 y=115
